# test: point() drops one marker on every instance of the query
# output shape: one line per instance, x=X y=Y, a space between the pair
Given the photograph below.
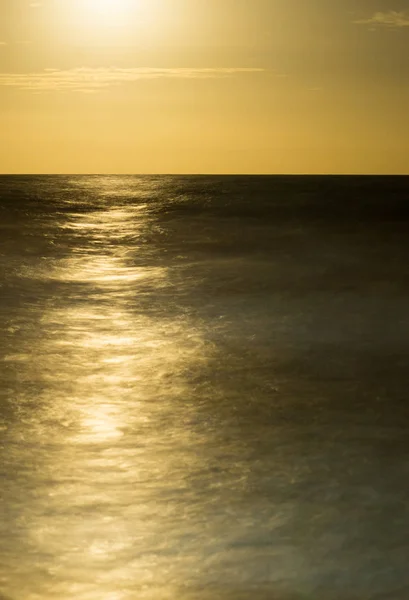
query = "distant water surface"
x=204 y=388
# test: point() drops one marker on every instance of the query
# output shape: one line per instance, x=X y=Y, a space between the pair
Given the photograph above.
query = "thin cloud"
x=392 y=18
x=91 y=80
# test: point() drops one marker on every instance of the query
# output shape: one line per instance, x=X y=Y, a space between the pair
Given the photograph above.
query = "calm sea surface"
x=204 y=388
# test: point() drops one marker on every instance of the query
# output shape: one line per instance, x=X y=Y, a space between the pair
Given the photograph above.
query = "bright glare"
x=107 y=11
x=107 y=22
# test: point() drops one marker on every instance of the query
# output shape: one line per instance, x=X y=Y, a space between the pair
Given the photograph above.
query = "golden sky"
x=204 y=86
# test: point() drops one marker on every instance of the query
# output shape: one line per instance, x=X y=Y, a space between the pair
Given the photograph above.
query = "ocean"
x=204 y=388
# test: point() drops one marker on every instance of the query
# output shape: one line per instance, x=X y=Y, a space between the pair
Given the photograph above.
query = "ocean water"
x=204 y=388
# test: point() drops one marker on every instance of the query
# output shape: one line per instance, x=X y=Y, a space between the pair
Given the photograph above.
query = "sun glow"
x=105 y=21
x=107 y=11
x=104 y=13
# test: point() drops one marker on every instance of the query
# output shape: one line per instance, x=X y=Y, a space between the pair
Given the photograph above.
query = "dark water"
x=204 y=388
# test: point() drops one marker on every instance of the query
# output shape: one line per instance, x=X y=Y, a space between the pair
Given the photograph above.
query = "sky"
x=204 y=86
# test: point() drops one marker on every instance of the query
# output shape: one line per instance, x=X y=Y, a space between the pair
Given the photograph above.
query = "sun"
x=99 y=23
x=108 y=12
x=96 y=14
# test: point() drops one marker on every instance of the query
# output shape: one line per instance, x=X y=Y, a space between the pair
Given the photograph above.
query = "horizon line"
x=198 y=174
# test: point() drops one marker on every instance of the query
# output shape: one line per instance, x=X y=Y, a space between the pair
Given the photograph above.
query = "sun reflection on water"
x=100 y=424
x=110 y=373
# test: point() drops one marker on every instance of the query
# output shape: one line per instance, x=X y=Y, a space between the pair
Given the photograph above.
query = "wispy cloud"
x=18 y=42
x=91 y=80
x=392 y=18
